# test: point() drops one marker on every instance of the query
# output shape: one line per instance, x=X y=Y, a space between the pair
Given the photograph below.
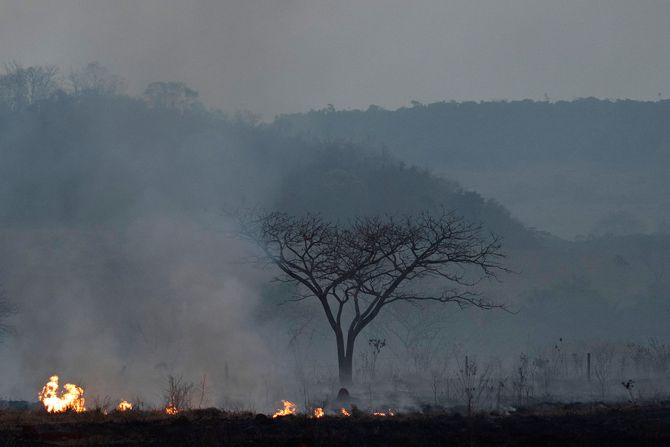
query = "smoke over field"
x=320 y=212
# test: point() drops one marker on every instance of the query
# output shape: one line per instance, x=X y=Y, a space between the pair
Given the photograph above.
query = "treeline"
x=491 y=133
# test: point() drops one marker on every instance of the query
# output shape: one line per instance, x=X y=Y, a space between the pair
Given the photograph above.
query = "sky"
x=283 y=56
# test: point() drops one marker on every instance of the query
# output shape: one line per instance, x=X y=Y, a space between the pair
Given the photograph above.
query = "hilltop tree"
x=20 y=87
x=171 y=95
x=95 y=80
x=355 y=270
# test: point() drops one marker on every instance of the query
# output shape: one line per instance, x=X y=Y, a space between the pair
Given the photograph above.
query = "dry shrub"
x=178 y=393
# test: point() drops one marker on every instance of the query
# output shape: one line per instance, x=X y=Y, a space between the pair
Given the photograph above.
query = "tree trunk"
x=345 y=360
x=346 y=376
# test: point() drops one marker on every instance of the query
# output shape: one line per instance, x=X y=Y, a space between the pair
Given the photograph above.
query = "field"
x=546 y=425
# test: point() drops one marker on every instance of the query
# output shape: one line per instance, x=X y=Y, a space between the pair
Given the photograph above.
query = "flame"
x=344 y=412
x=71 y=399
x=289 y=408
x=124 y=405
x=382 y=414
x=171 y=409
x=319 y=413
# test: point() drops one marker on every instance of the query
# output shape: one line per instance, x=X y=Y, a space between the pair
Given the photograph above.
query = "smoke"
x=117 y=310
x=112 y=243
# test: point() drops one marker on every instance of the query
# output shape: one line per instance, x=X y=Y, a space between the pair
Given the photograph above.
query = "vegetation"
x=91 y=175
x=356 y=270
x=600 y=162
x=559 y=425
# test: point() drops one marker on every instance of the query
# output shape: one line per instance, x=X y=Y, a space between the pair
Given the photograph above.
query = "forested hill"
x=486 y=133
x=592 y=160
x=93 y=155
x=95 y=184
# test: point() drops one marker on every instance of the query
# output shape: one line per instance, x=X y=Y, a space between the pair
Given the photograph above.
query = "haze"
x=129 y=210
x=286 y=56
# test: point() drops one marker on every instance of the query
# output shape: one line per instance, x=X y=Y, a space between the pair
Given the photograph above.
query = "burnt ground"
x=554 y=425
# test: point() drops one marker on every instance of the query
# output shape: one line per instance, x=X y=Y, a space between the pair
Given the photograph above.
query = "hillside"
x=565 y=167
x=96 y=159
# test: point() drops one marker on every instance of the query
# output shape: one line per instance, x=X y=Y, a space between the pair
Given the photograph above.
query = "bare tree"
x=355 y=270
x=178 y=393
x=603 y=367
x=171 y=95
x=438 y=371
x=203 y=391
x=474 y=381
x=522 y=388
x=95 y=80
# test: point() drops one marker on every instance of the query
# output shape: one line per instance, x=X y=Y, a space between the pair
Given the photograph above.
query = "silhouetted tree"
x=355 y=270
x=171 y=95
x=95 y=80
x=20 y=87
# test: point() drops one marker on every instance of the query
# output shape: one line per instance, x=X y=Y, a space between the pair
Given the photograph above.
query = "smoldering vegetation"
x=599 y=425
x=124 y=269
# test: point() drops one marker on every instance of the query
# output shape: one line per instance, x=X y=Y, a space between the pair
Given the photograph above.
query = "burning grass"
x=63 y=419
x=290 y=409
x=575 y=424
x=55 y=401
x=124 y=405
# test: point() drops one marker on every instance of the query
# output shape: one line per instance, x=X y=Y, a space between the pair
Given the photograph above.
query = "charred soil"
x=547 y=425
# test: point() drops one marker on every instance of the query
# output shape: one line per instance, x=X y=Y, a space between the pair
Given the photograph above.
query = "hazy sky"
x=273 y=56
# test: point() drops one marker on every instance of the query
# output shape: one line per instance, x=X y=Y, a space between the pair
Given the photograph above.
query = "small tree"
x=474 y=382
x=178 y=393
x=603 y=367
x=357 y=269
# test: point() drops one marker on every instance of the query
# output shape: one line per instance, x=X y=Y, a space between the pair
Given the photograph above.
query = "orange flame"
x=71 y=399
x=382 y=414
x=289 y=408
x=171 y=409
x=319 y=413
x=344 y=412
x=124 y=405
